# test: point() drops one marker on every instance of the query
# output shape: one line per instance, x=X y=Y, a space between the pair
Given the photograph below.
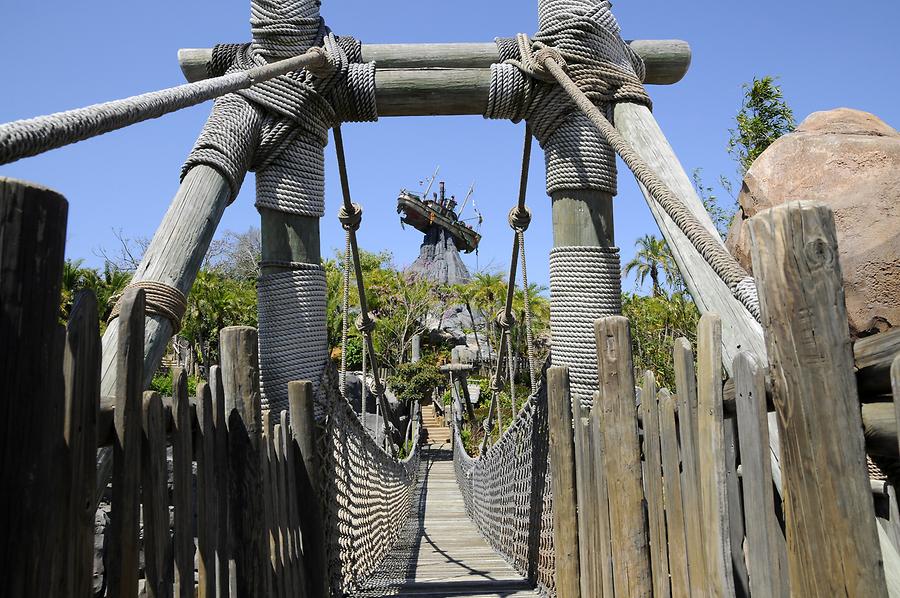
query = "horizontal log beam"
x=454 y=79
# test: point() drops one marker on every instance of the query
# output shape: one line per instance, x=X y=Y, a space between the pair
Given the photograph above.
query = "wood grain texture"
x=270 y=505
x=628 y=522
x=158 y=563
x=224 y=564
x=832 y=539
x=123 y=562
x=711 y=458
x=686 y=385
x=675 y=519
x=765 y=553
x=895 y=385
x=740 y=331
x=874 y=356
x=207 y=517
x=182 y=481
x=656 y=513
x=303 y=431
x=735 y=507
x=562 y=466
x=81 y=372
x=173 y=257
x=32 y=244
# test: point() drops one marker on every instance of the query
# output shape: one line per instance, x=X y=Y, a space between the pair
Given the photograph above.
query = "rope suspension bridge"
x=277 y=487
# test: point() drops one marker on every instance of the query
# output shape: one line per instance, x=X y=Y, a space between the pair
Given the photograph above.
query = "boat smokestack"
x=442 y=192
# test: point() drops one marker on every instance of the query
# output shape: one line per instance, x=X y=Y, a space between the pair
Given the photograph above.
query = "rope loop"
x=350 y=220
x=533 y=63
x=366 y=325
x=161 y=300
x=505 y=320
x=520 y=218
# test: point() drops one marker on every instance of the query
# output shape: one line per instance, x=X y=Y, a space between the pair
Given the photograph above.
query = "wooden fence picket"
x=182 y=457
x=158 y=557
x=675 y=516
x=659 y=546
x=224 y=563
x=207 y=517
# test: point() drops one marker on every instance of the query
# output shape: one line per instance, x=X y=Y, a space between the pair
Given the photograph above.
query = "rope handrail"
x=31 y=137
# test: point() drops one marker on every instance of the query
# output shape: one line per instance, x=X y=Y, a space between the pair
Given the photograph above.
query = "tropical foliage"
x=764 y=117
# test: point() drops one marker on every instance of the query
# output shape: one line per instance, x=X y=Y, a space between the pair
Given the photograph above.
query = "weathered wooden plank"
x=303 y=428
x=686 y=385
x=765 y=557
x=711 y=457
x=593 y=506
x=155 y=499
x=240 y=377
x=269 y=491
x=735 y=508
x=173 y=257
x=675 y=521
x=832 y=539
x=182 y=481
x=656 y=514
x=81 y=371
x=285 y=550
x=207 y=517
x=32 y=244
x=628 y=522
x=292 y=506
x=122 y=561
x=224 y=564
x=874 y=356
x=740 y=330
x=562 y=466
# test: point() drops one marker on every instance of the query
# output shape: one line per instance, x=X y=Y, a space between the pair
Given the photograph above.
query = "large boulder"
x=849 y=160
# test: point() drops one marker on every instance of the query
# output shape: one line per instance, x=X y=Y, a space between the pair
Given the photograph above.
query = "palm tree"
x=652 y=259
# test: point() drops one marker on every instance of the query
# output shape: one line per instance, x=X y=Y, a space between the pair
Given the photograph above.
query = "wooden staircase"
x=437 y=430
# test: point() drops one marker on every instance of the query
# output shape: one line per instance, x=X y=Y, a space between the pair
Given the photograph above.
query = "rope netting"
x=508 y=493
x=367 y=493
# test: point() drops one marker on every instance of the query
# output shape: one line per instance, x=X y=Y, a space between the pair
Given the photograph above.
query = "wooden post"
x=182 y=481
x=32 y=244
x=81 y=370
x=207 y=502
x=765 y=549
x=292 y=506
x=711 y=458
x=686 y=384
x=595 y=554
x=628 y=523
x=155 y=500
x=123 y=563
x=562 y=465
x=741 y=331
x=240 y=379
x=675 y=516
x=309 y=489
x=224 y=563
x=659 y=545
x=832 y=539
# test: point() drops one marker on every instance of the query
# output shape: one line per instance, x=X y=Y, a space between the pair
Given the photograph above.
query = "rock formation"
x=849 y=160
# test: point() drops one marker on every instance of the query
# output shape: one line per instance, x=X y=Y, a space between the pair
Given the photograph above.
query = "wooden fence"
x=682 y=493
x=242 y=484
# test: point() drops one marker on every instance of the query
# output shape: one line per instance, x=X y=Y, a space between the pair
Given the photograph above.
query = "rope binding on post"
x=162 y=300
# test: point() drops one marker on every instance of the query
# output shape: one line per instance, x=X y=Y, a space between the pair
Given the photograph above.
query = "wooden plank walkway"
x=442 y=552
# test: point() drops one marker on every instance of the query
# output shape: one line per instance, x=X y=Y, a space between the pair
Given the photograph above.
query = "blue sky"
x=63 y=55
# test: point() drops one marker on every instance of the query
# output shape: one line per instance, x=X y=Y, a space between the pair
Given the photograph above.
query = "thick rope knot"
x=366 y=325
x=161 y=300
x=534 y=63
x=519 y=218
x=352 y=220
x=505 y=320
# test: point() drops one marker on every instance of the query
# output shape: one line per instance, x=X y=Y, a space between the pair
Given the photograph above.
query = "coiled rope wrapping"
x=297 y=351
x=161 y=300
x=585 y=286
x=286 y=121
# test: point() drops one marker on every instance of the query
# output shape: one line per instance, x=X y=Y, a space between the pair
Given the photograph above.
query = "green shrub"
x=162 y=383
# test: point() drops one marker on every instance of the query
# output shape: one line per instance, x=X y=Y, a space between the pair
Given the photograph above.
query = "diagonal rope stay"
x=350 y=216
x=30 y=137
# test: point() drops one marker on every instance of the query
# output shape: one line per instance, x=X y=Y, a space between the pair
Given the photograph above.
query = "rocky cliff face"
x=439 y=259
x=849 y=160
